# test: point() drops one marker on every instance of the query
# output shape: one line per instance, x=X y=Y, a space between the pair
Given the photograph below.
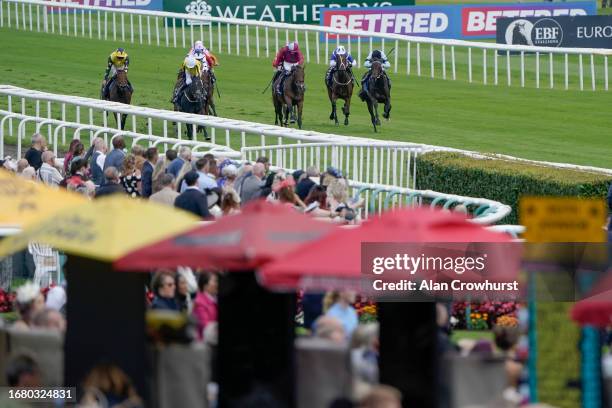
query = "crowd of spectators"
x=207 y=186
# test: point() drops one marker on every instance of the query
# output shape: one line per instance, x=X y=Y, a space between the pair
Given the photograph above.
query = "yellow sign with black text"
x=563 y=219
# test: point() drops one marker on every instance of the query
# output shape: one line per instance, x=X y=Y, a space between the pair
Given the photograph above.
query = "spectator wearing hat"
x=168 y=193
x=229 y=173
x=29 y=301
x=304 y=182
x=192 y=199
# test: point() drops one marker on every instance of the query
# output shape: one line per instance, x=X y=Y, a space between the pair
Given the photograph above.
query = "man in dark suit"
x=147 y=171
x=192 y=199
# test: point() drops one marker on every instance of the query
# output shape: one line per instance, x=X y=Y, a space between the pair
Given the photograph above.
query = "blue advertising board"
x=473 y=21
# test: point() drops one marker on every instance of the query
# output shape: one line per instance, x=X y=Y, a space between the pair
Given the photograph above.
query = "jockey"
x=332 y=63
x=190 y=68
x=207 y=58
x=117 y=60
x=286 y=58
x=375 y=55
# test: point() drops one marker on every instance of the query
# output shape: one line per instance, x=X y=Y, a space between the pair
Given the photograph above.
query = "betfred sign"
x=456 y=21
x=481 y=21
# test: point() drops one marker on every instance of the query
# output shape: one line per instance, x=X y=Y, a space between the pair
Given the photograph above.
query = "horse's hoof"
x=378 y=122
x=292 y=121
x=346 y=122
x=331 y=117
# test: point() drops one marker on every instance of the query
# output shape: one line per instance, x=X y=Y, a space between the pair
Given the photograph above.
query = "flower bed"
x=483 y=315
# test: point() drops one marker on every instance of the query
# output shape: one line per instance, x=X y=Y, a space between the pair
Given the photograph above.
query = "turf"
x=554 y=125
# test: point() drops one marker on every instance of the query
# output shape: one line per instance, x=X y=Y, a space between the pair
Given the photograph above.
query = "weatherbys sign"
x=131 y=4
x=286 y=11
x=455 y=21
x=575 y=32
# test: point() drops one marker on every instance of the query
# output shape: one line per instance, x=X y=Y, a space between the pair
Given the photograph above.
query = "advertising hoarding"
x=453 y=21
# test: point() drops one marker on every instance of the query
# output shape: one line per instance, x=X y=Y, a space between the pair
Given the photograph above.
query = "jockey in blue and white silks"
x=333 y=62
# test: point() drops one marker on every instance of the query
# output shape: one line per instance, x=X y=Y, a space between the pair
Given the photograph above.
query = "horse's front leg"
x=375 y=103
x=346 y=109
x=300 y=106
x=387 y=113
x=334 y=114
x=288 y=111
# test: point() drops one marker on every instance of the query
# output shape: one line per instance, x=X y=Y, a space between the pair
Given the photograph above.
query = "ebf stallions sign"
x=286 y=11
x=573 y=32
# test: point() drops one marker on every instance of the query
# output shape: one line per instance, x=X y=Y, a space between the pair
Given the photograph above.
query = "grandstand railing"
x=77 y=130
x=379 y=160
x=391 y=162
x=544 y=67
x=378 y=196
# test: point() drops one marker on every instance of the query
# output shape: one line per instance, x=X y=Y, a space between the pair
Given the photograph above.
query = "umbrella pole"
x=256 y=338
x=105 y=314
x=408 y=354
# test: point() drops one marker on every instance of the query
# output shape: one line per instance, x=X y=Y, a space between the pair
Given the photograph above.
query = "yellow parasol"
x=22 y=201
x=103 y=229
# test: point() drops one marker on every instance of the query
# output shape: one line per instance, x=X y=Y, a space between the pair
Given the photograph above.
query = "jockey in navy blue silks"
x=375 y=55
x=333 y=60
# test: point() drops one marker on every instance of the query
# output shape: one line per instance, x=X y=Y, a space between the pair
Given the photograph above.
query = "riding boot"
x=279 y=88
x=328 y=76
x=364 y=87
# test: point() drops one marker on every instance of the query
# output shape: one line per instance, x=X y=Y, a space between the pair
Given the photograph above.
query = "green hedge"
x=503 y=180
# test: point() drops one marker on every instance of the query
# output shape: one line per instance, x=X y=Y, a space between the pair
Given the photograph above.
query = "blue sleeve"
x=610 y=197
x=333 y=56
x=147 y=182
x=350 y=59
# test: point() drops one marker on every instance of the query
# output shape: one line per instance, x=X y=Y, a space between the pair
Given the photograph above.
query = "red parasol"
x=259 y=234
x=596 y=310
x=335 y=261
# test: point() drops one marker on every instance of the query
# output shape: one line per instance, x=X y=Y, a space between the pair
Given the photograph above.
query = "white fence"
x=370 y=161
x=76 y=131
x=365 y=160
x=378 y=196
x=486 y=63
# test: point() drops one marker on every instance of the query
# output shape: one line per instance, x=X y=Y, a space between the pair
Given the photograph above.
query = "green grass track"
x=541 y=124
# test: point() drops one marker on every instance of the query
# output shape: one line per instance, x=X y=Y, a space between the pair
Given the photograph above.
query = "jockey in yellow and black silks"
x=191 y=68
x=117 y=60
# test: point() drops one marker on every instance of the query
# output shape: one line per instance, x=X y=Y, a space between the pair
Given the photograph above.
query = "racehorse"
x=378 y=91
x=292 y=96
x=192 y=100
x=120 y=91
x=209 y=88
x=341 y=88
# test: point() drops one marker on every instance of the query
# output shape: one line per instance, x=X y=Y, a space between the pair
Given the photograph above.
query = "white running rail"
x=378 y=196
x=543 y=67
